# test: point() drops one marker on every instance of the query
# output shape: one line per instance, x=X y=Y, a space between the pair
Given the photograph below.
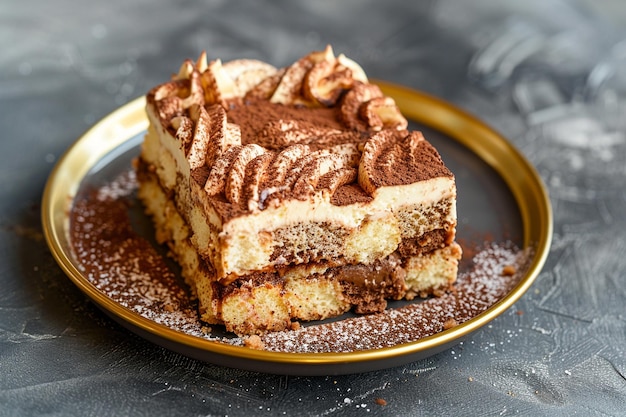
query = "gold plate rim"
x=130 y=120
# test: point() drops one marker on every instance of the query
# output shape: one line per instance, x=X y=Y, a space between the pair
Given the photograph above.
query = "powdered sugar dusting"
x=124 y=186
x=122 y=264
x=476 y=290
x=131 y=272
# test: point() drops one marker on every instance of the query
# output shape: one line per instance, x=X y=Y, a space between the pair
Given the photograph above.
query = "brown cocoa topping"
x=167 y=100
x=406 y=160
x=254 y=115
x=200 y=175
x=350 y=194
x=403 y=159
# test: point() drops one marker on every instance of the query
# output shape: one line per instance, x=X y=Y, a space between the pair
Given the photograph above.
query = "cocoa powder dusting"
x=350 y=194
x=120 y=263
x=397 y=157
x=476 y=290
x=130 y=271
x=253 y=116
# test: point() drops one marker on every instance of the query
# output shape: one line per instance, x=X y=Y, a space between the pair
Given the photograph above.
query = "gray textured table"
x=549 y=75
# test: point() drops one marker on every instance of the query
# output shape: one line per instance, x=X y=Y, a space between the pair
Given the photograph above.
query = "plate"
x=500 y=195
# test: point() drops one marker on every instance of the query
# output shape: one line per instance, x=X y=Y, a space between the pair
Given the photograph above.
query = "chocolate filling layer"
x=364 y=286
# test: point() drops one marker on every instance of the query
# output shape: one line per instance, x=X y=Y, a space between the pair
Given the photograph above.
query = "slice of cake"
x=294 y=194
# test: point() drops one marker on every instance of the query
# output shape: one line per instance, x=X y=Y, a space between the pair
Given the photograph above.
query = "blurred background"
x=550 y=75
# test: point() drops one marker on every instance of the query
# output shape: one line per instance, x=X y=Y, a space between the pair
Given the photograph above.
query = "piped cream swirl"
x=287 y=158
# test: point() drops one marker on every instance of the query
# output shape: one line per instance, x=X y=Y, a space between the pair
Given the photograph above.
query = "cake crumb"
x=470 y=379
x=254 y=342
x=450 y=323
x=438 y=292
x=380 y=401
x=169 y=308
x=295 y=325
x=508 y=270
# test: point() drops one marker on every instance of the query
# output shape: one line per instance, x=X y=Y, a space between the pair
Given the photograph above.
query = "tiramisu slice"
x=294 y=194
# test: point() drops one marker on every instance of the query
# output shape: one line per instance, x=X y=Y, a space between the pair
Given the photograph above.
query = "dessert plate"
x=500 y=198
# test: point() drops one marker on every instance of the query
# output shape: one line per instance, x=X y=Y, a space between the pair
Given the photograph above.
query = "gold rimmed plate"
x=500 y=195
